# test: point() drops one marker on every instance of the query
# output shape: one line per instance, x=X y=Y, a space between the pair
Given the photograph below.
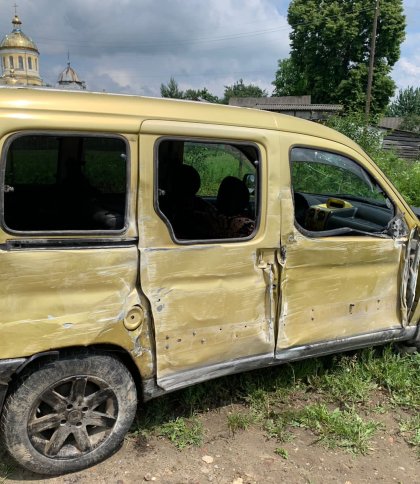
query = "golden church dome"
x=17 y=39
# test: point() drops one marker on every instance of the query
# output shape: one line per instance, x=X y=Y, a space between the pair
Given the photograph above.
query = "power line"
x=203 y=40
x=168 y=42
x=206 y=75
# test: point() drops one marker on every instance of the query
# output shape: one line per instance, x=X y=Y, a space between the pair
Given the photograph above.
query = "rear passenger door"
x=207 y=265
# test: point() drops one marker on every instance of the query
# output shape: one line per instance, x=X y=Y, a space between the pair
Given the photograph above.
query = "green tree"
x=403 y=173
x=330 y=45
x=239 y=89
x=411 y=122
x=171 y=90
x=288 y=82
x=406 y=103
x=201 y=95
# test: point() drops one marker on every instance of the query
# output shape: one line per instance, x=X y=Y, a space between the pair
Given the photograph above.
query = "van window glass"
x=333 y=192
x=208 y=190
x=65 y=183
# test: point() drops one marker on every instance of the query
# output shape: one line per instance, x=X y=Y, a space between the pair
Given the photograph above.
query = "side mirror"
x=416 y=210
x=250 y=181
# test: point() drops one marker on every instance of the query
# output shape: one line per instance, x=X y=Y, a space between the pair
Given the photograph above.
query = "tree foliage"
x=171 y=90
x=201 y=95
x=411 y=122
x=288 y=81
x=406 y=103
x=404 y=174
x=330 y=48
x=239 y=89
x=407 y=106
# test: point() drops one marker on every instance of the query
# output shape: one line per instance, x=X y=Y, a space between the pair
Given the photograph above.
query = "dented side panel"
x=336 y=287
x=206 y=309
x=210 y=301
x=53 y=299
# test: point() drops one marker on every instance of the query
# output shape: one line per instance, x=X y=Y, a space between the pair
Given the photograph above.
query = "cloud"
x=407 y=72
x=136 y=45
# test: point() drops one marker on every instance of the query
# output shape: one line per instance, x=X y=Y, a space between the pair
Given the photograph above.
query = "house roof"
x=299 y=107
x=283 y=104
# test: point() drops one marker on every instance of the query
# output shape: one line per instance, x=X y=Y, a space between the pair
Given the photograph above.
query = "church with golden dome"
x=19 y=59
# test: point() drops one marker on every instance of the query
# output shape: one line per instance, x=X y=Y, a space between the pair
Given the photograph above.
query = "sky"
x=133 y=46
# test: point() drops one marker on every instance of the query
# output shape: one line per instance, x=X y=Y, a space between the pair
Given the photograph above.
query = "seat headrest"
x=233 y=196
x=186 y=181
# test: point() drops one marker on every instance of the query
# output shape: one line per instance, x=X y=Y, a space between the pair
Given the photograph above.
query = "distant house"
x=298 y=106
x=405 y=143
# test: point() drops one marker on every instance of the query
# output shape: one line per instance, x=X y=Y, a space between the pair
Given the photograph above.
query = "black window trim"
x=195 y=139
x=3 y=162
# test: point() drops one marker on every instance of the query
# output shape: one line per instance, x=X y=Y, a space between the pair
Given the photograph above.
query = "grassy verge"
x=410 y=429
x=339 y=399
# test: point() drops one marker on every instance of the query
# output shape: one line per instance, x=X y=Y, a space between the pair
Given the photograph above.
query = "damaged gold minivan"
x=150 y=244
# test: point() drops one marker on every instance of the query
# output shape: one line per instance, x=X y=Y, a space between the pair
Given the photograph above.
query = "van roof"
x=42 y=99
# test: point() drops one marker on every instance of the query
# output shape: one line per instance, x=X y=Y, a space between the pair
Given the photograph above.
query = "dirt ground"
x=249 y=457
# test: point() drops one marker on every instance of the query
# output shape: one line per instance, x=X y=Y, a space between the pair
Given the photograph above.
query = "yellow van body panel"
x=203 y=304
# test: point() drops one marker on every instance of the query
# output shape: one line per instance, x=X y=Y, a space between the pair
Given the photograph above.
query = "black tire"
x=69 y=414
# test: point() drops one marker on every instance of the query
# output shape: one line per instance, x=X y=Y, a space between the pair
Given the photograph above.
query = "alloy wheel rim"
x=72 y=417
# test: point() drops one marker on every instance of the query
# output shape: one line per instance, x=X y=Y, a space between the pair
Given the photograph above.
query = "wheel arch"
x=45 y=356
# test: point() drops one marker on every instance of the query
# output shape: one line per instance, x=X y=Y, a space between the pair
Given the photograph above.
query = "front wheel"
x=69 y=413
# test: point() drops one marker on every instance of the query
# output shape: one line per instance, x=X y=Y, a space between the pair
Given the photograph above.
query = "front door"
x=342 y=253
x=207 y=257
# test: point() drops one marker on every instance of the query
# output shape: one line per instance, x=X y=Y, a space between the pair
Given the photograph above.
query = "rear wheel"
x=69 y=414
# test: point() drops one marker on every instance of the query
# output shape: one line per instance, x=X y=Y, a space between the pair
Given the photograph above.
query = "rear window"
x=65 y=183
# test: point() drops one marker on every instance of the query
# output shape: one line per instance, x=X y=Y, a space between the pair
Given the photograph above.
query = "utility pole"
x=371 y=60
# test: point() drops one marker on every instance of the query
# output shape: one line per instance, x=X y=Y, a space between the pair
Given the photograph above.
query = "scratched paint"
x=204 y=304
x=53 y=299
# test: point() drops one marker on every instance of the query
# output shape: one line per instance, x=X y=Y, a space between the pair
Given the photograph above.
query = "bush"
x=404 y=174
